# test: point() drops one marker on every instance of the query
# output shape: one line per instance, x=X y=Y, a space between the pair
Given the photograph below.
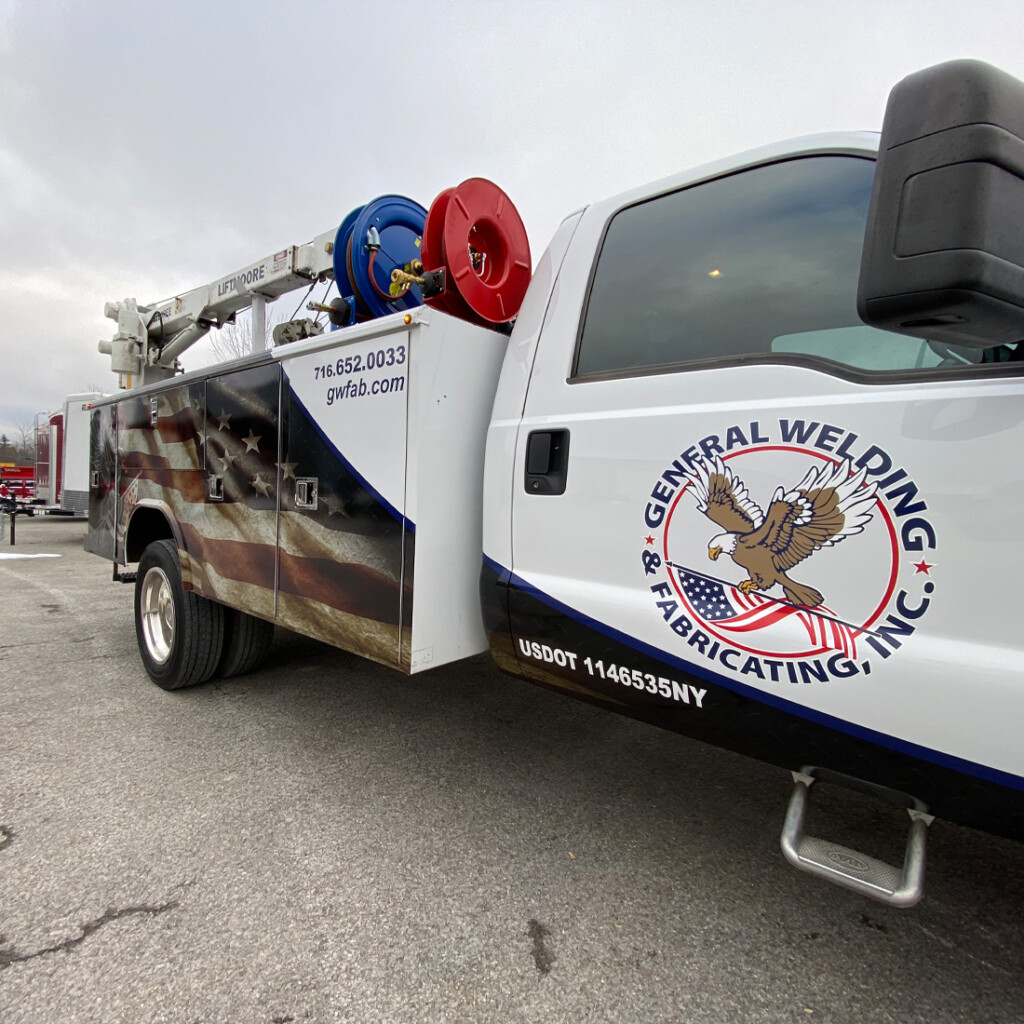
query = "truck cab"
x=685 y=412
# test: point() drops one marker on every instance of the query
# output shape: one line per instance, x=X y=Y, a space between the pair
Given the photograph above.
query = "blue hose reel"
x=374 y=240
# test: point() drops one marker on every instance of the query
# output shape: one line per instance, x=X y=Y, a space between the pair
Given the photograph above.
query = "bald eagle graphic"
x=828 y=504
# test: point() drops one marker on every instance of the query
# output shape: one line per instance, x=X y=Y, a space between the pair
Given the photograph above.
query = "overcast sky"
x=148 y=148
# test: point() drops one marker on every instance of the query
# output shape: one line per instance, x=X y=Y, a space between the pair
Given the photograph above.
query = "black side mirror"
x=944 y=250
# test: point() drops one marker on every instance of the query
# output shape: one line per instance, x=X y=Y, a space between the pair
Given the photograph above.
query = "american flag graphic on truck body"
x=223 y=455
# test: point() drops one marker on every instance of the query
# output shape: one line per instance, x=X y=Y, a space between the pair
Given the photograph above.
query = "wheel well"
x=146 y=526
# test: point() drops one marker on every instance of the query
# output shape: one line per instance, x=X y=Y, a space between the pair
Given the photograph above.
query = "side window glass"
x=762 y=263
x=868 y=348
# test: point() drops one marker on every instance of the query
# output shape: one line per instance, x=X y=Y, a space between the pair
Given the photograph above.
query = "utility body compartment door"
x=381 y=491
x=343 y=526
x=100 y=536
x=230 y=525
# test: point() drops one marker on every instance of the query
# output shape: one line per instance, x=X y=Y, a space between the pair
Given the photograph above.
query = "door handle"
x=306 y=492
x=547 y=461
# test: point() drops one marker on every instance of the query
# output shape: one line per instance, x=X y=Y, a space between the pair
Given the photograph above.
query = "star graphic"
x=288 y=468
x=222 y=420
x=260 y=485
x=649 y=540
x=228 y=459
x=923 y=566
x=252 y=442
x=335 y=506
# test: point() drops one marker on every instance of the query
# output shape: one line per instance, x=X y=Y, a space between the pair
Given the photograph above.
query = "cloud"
x=148 y=149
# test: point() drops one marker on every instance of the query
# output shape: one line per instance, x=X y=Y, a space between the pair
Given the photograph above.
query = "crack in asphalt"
x=542 y=956
x=7 y=835
x=12 y=955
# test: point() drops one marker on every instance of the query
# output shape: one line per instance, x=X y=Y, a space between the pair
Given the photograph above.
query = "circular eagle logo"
x=788 y=563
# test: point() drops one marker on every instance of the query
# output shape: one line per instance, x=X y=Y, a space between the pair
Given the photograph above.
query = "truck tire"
x=180 y=634
x=247 y=643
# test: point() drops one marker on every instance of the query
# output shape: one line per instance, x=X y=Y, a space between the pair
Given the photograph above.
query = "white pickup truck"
x=704 y=482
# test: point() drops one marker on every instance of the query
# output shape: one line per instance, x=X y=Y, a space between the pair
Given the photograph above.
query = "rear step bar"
x=848 y=868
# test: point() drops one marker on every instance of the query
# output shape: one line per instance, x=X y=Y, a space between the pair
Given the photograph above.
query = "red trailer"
x=17 y=483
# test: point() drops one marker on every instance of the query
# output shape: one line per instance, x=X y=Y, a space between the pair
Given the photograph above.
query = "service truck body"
x=315 y=496
x=693 y=486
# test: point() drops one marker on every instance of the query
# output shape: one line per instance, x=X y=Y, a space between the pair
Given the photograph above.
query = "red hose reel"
x=475 y=234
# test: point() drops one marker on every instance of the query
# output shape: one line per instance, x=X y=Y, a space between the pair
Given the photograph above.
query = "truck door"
x=741 y=513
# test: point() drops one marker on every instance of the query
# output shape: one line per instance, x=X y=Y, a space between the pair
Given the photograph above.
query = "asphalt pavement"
x=327 y=840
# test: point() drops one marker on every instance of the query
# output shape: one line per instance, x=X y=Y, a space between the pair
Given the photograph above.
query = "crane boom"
x=150 y=338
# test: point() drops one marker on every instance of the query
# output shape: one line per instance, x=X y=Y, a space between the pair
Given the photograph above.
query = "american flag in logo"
x=732 y=610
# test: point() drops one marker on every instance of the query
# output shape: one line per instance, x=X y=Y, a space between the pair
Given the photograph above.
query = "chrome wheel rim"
x=157 y=614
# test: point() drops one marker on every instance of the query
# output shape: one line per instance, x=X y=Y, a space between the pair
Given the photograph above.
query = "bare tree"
x=232 y=341
x=25 y=442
